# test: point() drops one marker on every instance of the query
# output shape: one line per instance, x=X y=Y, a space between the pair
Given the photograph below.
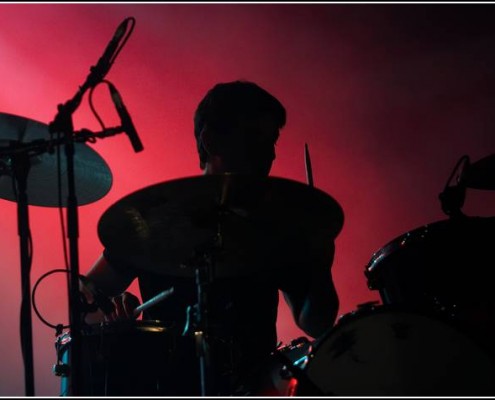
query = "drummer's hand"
x=124 y=304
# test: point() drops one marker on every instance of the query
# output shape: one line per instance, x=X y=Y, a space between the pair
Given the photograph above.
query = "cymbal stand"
x=197 y=320
x=15 y=161
x=204 y=273
x=201 y=327
x=20 y=167
x=18 y=164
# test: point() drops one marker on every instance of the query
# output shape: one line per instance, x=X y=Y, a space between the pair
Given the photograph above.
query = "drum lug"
x=61 y=370
x=361 y=308
x=285 y=374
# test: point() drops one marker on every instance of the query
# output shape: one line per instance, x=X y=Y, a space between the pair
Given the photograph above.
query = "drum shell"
x=128 y=358
x=389 y=351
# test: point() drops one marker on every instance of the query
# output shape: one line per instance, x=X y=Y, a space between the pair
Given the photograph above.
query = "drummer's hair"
x=225 y=102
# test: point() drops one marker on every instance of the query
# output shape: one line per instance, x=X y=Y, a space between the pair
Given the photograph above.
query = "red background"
x=388 y=97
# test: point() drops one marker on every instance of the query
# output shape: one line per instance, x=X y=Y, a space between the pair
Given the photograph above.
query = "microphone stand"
x=63 y=124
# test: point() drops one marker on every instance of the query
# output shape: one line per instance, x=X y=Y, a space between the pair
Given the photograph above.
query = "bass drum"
x=123 y=358
x=384 y=352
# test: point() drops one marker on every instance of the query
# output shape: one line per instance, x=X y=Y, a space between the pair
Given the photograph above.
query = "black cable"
x=92 y=107
x=33 y=299
x=60 y=206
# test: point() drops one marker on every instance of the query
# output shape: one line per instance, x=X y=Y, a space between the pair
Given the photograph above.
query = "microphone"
x=100 y=299
x=125 y=119
x=106 y=60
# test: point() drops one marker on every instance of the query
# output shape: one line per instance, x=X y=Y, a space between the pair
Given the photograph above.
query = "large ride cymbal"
x=166 y=228
x=92 y=175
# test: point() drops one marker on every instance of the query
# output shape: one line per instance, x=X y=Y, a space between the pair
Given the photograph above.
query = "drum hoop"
x=345 y=319
x=417 y=235
x=126 y=326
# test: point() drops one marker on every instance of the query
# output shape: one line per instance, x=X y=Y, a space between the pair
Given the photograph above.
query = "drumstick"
x=307 y=161
x=154 y=300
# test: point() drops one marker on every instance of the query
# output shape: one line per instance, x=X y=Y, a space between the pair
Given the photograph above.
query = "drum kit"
x=432 y=334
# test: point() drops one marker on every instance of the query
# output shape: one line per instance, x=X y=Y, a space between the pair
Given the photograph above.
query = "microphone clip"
x=452 y=200
x=452 y=197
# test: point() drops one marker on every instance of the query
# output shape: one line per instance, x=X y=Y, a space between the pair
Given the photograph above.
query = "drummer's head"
x=236 y=126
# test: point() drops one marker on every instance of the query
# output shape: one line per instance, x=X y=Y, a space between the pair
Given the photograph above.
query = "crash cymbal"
x=93 y=178
x=166 y=228
x=481 y=174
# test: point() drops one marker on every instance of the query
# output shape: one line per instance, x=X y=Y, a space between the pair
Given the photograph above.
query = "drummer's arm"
x=112 y=283
x=108 y=279
x=312 y=297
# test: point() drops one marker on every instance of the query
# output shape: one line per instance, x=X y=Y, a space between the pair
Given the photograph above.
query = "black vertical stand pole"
x=73 y=236
x=21 y=167
x=63 y=124
x=200 y=335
